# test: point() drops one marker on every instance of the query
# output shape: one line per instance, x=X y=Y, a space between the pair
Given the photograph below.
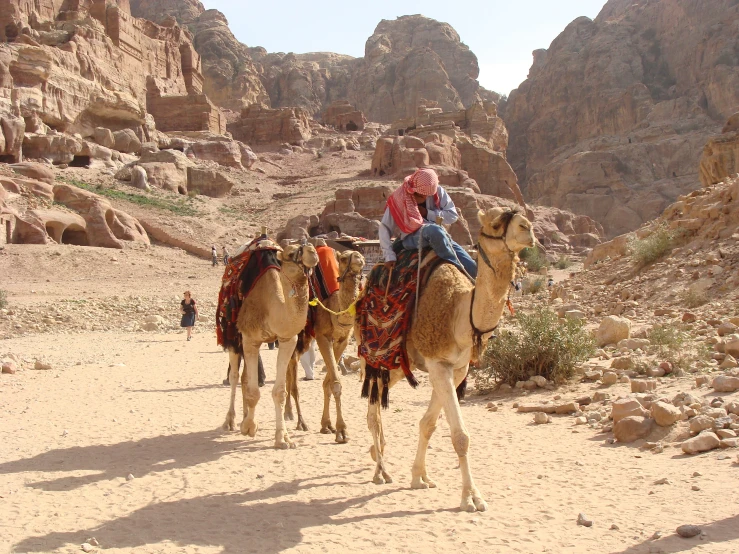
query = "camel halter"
x=478 y=333
x=297 y=259
x=351 y=309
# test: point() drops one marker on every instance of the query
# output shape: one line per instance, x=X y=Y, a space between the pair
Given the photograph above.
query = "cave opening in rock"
x=75 y=235
x=80 y=161
x=351 y=126
x=8 y=159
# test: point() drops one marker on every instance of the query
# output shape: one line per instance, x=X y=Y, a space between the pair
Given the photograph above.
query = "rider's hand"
x=424 y=211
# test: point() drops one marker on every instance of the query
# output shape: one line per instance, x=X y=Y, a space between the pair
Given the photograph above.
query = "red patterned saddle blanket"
x=384 y=315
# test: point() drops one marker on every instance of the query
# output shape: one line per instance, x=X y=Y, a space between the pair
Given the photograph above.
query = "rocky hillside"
x=407 y=59
x=613 y=117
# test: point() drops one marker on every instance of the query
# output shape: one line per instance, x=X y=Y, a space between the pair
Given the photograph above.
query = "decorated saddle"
x=323 y=282
x=241 y=274
x=385 y=313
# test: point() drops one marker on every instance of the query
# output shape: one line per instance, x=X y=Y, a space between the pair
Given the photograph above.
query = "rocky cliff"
x=613 y=117
x=406 y=60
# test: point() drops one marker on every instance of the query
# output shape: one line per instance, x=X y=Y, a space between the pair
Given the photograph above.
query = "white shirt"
x=388 y=227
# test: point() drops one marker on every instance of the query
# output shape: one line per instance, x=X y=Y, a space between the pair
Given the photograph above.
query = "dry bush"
x=654 y=247
x=540 y=344
x=534 y=258
x=563 y=262
x=694 y=298
x=3 y=299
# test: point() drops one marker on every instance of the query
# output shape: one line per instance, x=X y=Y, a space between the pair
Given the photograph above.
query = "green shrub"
x=535 y=285
x=671 y=344
x=654 y=247
x=563 y=262
x=534 y=258
x=540 y=344
x=3 y=299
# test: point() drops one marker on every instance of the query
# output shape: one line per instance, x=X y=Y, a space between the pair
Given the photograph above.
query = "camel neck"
x=294 y=285
x=493 y=286
x=348 y=290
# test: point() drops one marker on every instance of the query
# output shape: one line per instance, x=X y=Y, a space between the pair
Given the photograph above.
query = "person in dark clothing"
x=189 y=311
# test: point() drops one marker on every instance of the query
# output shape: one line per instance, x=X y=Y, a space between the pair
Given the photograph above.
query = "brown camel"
x=332 y=335
x=451 y=312
x=276 y=308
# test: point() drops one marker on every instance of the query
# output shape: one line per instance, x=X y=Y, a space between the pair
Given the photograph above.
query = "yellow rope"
x=351 y=310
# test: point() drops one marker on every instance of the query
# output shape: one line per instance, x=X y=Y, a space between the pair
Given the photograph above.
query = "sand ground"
x=151 y=405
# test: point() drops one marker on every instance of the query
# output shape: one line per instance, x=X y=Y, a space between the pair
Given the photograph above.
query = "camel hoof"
x=342 y=437
x=249 y=428
x=473 y=503
x=419 y=484
x=328 y=430
x=378 y=480
x=289 y=416
x=387 y=477
x=301 y=425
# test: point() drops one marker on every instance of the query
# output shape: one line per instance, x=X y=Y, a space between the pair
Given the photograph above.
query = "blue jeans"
x=435 y=237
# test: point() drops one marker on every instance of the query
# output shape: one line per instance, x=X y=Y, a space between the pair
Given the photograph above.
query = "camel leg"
x=291 y=379
x=250 y=386
x=234 y=360
x=342 y=436
x=279 y=392
x=331 y=386
x=294 y=392
x=444 y=380
x=427 y=426
x=374 y=422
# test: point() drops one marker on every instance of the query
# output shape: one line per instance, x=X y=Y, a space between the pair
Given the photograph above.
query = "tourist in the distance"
x=214 y=255
x=189 y=311
x=226 y=256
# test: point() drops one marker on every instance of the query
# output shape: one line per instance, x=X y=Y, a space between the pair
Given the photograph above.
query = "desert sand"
x=150 y=405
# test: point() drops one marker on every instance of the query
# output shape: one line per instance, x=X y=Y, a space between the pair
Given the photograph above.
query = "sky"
x=502 y=33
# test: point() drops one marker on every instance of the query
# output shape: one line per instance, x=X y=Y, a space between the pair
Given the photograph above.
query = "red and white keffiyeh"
x=402 y=204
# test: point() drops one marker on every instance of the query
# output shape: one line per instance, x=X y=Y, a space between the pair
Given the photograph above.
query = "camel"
x=332 y=335
x=454 y=321
x=276 y=308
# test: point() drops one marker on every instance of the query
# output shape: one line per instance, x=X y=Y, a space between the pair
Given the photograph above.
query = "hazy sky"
x=502 y=33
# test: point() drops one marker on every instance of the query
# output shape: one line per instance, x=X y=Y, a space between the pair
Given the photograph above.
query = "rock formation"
x=344 y=117
x=89 y=219
x=88 y=69
x=259 y=125
x=613 y=116
x=720 y=158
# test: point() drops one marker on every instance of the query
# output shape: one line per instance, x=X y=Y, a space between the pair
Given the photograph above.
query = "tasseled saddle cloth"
x=385 y=314
x=239 y=277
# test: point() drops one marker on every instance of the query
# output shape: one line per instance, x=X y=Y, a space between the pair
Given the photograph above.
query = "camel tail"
x=462 y=389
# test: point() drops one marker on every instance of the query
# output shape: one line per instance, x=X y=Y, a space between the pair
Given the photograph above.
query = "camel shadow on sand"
x=140 y=457
x=242 y=522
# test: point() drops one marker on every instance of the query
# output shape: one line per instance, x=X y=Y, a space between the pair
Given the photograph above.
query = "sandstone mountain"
x=406 y=60
x=613 y=117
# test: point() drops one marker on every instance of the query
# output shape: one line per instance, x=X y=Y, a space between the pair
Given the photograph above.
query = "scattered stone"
x=584 y=521
x=541 y=418
x=725 y=383
x=657 y=535
x=130 y=477
x=730 y=443
x=505 y=387
x=689 y=317
x=582 y=420
x=702 y=443
x=701 y=380
x=93 y=541
x=700 y=423
x=729 y=362
x=540 y=381
x=625 y=407
x=641 y=386
x=9 y=368
x=567 y=408
x=615 y=527
x=41 y=365
x=695 y=488
x=663 y=481
x=610 y=378
x=601 y=396
x=688 y=531
x=87 y=547
x=532 y=408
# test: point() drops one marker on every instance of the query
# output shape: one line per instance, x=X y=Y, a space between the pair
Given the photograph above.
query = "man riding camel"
x=411 y=214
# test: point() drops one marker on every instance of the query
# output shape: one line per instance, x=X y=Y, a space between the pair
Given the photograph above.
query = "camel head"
x=302 y=255
x=350 y=261
x=509 y=226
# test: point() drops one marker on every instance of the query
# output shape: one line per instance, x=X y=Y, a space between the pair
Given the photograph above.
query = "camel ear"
x=279 y=255
x=487 y=218
x=338 y=256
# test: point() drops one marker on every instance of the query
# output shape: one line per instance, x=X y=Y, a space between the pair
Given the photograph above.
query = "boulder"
x=632 y=428
x=208 y=182
x=104 y=137
x=627 y=407
x=725 y=383
x=700 y=423
x=352 y=224
x=37 y=171
x=665 y=414
x=127 y=142
x=613 y=329
x=702 y=443
x=138 y=177
x=12 y=129
x=166 y=176
x=223 y=152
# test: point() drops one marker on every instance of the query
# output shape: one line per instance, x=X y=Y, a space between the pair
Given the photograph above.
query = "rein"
x=478 y=333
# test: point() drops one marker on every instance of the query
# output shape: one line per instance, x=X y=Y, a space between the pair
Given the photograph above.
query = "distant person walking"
x=189 y=311
x=226 y=256
x=214 y=255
